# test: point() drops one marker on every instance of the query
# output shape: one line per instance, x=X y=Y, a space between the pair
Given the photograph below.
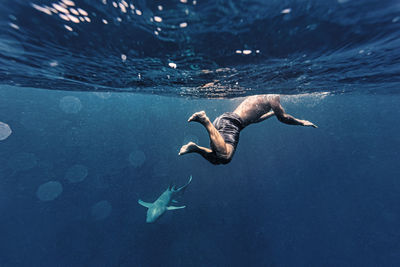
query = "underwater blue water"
x=94 y=102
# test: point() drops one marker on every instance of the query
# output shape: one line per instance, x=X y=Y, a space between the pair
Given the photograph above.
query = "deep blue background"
x=292 y=196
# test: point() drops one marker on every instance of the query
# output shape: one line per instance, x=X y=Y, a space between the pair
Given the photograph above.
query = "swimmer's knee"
x=224 y=158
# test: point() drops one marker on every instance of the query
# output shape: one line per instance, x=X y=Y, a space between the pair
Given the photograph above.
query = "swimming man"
x=224 y=131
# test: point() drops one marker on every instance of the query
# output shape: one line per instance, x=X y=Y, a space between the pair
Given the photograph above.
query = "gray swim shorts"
x=229 y=126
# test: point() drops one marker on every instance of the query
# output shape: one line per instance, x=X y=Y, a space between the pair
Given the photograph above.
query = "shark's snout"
x=150 y=220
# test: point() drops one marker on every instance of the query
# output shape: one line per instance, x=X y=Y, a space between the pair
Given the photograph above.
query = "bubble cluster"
x=101 y=210
x=137 y=158
x=70 y=104
x=49 y=191
x=5 y=131
x=76 y=173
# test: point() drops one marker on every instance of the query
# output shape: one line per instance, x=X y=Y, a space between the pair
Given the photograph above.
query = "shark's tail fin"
x=182 y=188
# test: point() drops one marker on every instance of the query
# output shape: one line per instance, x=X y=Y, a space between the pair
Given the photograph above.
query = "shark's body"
x=162 y=204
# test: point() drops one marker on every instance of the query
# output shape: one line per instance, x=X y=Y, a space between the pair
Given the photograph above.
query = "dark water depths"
x=201 y=48
x=292 y=196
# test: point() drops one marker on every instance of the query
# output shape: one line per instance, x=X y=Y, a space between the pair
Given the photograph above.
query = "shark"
x=162 y=204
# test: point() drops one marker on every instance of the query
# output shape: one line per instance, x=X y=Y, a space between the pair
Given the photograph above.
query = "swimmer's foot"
x=200 y=117
x=188 y=148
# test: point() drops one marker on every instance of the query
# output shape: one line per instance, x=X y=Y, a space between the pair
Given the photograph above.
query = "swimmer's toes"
x=198 y=116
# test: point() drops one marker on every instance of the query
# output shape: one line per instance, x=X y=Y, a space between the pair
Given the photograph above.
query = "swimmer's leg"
x=191 y=147
x=218 y=144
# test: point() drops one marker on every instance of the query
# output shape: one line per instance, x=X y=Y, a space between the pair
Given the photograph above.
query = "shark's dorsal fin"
x=144 y=204
x=175 y=208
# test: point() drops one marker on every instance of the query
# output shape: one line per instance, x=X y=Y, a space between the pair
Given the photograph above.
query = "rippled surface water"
x=201 y=48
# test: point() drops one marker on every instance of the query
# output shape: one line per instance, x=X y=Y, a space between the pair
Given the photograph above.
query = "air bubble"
x=137 y=158
x=5 y=131
x=49 y=191
x=70 y=104
x=101 y=210
x=76 y=173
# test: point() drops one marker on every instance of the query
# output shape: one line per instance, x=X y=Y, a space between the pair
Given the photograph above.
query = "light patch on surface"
x=104 y=21
x=22 y=161
x=395 y=19
x=172 y=65
x=41 y=9
x=70 y=104
x=238 y=51
x=122 y=7
x=82 y=12
x=156 y=33
x=68 y=2
x=286 y=11
x=123 y=57
x=101 y=210
x=183 y=1
x=76 y=173
x=138 y=12
x=5 y=131
x=61 y=9
x=15 y=26
x=132 y=6
x=49 y=191
x=137 y=158
x=157 y=19
x=183 y=25
x=74 y=11
x=160 y=7
x=87 y=19
x=73 y=19
x=246 y=52
x=68 y=28
x=115 y=4
x=55 y=11
x=53 y=63
x=63 y=16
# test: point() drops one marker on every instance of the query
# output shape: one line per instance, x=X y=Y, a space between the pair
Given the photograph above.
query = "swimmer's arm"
x=283 y=117
x=265 y=116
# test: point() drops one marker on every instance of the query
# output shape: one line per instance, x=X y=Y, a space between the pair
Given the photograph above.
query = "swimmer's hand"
x=309 y=123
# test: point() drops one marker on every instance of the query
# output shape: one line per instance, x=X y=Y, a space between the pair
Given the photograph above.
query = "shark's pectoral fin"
x=175 y=208
x=144 y=204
